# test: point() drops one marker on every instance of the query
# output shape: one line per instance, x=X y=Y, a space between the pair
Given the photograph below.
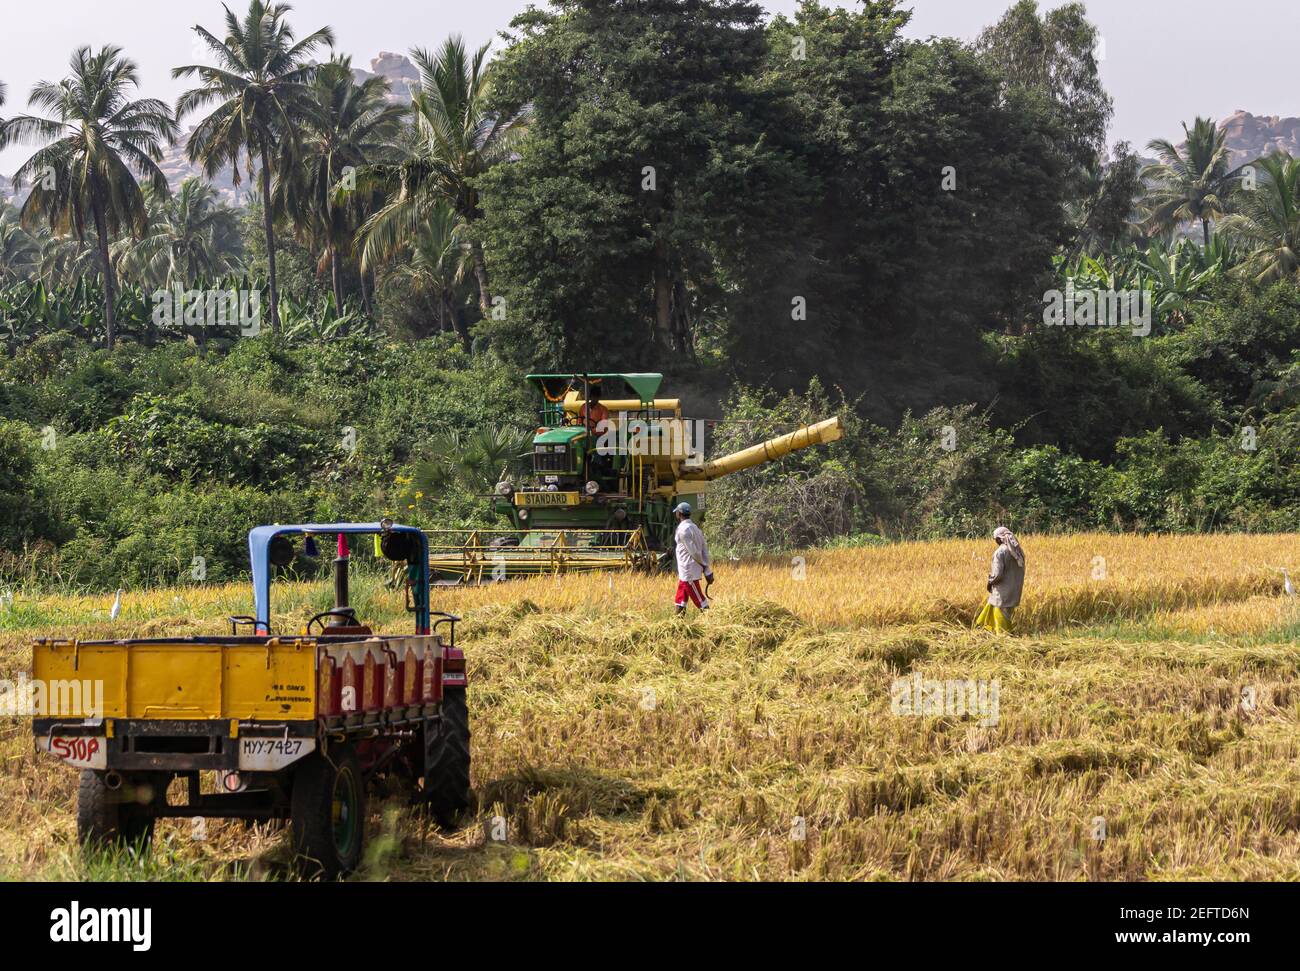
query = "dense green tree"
x=1053 y=59
x=98 y=139
x=24 y=505
x=624 y=222
x=261 y=87
x=913 y=243
x=1102 y=215
x=437 y=262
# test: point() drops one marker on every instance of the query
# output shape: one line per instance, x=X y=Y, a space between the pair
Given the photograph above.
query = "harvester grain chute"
x=606 y=474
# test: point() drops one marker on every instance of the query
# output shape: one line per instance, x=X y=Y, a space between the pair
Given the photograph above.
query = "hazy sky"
x=1165 y=60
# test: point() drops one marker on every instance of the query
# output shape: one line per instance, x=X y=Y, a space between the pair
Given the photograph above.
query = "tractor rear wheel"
x=107 y=817
x=328 y=813
x=446 y=791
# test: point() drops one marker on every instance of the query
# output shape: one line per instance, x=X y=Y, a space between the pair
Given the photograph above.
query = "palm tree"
x=437 y=262
x=67 y=259
x=20 y=250
x=189 y=238
x=84 y=174
x=1194 y=184
x=1267 y=223
x=456 y=140
x=349 y=125
x=261 y=86
x=474 y=460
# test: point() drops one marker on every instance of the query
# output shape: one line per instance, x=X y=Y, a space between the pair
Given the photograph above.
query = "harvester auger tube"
x=821 y=433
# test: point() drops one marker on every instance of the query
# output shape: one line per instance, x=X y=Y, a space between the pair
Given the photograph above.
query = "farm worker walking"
x=692 y=561
x=1006 y=581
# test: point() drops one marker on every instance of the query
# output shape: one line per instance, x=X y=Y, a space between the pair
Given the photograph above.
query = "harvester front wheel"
x=446 y=791
x=107 y=816
x=328 y=813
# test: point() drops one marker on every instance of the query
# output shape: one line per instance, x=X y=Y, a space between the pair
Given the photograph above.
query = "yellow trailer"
x=291 y=727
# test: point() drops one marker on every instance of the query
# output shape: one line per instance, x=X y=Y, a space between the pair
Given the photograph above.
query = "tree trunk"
x=365 y=293
x=481 y=274
x=269 y=225
x=336 y=278
x=663 y=297
x=458 y=320
x=110 y=288
x=682 y=317
x=1205 y=231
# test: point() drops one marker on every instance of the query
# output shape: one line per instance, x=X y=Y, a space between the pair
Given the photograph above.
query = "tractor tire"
x=446 y=793
x=105 y=819
x=327 y=809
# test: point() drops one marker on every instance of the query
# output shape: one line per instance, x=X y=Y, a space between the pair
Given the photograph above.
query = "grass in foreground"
x=758 y=742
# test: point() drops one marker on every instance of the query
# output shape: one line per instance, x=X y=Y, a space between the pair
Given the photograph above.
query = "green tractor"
x=606 y=474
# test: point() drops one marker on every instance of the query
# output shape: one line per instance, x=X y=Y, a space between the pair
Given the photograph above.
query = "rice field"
x=832 y=718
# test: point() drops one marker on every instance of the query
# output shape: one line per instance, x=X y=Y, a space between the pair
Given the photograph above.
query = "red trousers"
x=691 y=589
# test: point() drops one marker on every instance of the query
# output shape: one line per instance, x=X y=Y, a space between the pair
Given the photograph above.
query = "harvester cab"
x=610 y=460
x=588 y=441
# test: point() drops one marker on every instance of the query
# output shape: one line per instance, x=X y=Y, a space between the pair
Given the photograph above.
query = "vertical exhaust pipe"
x=341 y=596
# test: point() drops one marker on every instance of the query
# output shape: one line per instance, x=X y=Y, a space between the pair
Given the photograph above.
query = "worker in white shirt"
x=692 y=561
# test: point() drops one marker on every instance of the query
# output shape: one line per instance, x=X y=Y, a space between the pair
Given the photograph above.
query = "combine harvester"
x=601 y=495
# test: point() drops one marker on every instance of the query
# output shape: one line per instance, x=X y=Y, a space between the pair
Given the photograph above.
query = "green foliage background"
x=791 y=218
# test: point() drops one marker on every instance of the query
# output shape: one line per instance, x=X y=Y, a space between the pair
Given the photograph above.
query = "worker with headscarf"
x=1006 y=581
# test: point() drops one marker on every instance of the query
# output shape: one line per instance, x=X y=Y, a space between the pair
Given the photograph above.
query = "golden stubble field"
x=1150 y=697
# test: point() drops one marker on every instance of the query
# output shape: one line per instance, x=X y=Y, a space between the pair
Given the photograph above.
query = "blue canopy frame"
x=259 y=542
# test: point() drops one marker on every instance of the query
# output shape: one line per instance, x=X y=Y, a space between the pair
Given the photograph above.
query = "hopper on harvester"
x=601 y=494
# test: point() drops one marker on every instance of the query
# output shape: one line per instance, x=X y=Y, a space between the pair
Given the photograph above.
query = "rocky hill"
x=402 y=75
x=1250 y=136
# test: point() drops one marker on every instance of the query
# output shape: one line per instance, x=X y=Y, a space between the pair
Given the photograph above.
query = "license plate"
x=82 y=751
x=272 y=754
x=546 y=498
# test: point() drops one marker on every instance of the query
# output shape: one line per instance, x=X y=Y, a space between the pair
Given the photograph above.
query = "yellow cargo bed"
x=183 y=678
